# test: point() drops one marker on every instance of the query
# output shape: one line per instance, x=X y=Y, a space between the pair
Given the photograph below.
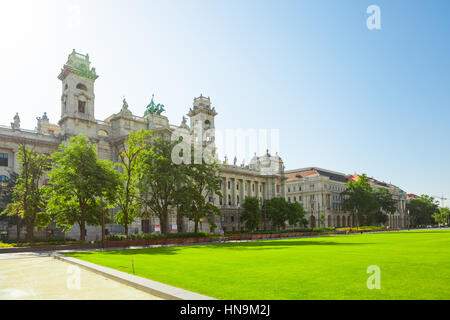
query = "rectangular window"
x=81 y=106
x=3 y=159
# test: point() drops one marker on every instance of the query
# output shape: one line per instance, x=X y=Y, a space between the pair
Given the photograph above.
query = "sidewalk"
x=40 y=277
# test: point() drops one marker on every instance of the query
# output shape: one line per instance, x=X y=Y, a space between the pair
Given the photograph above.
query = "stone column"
x=233 y=192
x=225 y=193
x=242 y=190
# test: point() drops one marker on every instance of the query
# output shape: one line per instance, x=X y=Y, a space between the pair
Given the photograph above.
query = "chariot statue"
x=153 y=108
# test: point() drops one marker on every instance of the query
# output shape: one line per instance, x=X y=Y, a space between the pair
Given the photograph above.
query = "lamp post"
x=409 y=220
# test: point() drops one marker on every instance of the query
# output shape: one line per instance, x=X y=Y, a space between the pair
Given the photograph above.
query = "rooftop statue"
x=125 y=112
x=153 y=108
x=16 y=123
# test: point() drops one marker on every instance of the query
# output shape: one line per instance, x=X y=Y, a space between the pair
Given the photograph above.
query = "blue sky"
x=343 y=97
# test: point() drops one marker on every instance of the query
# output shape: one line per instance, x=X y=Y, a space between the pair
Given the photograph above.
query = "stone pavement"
x=40 y=277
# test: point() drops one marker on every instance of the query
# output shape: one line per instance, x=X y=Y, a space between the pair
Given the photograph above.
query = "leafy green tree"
x=27 y=196
x=296 y=214
x=159 y=180
x=443 y=216
x=421 y=210
x=251 y=213
x=6 y=197
x=79 y=185
x=387 y=205
x=276 y=211
x=202 y=182
x=127 y=198
x=360 y=200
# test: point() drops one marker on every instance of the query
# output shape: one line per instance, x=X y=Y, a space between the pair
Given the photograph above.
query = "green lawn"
x=414 y=265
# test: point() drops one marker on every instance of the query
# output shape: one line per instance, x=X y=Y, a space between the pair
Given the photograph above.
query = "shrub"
x=5 y=245
x=149 y=236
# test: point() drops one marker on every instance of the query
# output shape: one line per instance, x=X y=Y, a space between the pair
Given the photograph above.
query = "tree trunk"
x=103 y=229
x=82 y=229
x=163 y=221
x=126 y=229
x=180 y=221
x=30 y=232
x=196 y=226
x=82 y=222
x=18 y=229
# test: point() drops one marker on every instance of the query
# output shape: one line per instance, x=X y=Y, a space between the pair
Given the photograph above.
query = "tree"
x=159 y=180
x=6 y=197
x=421 y=210
x=443 y=216
x=360 y=200
x=79 y=184
x=296 y=214
x=27 y=196
x=387 y=205
x=277 y=211
x=202 y=182
x=251 y=213
x=127 y=198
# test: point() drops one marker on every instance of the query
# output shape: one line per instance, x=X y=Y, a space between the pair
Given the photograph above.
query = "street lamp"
x=409 y=220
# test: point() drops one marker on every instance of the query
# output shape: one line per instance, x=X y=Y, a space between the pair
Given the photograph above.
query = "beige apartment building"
x=319 y=191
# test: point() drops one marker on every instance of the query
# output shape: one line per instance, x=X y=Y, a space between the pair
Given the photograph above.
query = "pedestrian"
x=222 y=235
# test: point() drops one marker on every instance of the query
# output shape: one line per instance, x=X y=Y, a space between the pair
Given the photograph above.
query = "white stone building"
x=263 y=178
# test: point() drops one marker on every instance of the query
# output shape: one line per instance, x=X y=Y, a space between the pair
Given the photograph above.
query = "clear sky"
x=344 y=97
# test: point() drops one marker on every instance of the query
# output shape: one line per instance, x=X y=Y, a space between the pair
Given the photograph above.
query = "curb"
x=153 y=287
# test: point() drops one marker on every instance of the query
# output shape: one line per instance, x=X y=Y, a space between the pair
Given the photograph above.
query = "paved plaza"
x=31 y=276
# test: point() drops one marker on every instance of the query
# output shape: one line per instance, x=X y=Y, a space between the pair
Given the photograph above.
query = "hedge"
x=149 y=236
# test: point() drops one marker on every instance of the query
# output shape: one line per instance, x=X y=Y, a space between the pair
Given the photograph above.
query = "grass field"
x=414 y=265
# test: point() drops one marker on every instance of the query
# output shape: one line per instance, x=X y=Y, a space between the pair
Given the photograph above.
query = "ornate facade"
x=318 y=190
x=263 y=178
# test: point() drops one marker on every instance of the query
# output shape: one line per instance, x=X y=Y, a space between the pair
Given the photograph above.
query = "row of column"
x=231 y=194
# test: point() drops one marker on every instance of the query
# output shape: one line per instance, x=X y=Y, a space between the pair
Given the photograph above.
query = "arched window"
x=81 y=87
x=102 y=133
